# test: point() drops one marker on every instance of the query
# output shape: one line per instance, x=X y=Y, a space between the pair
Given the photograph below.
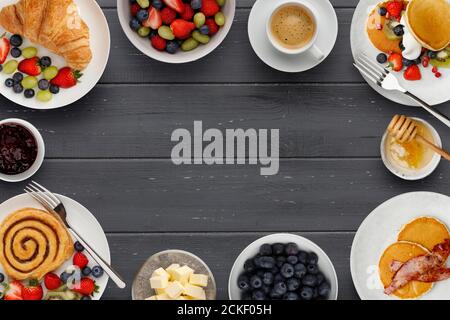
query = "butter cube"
x=151 y=298
x=160 y=290
x=160 y=272
x=159 y=282
x=171 y=268
x=198 y=280
x=163 y=297
x=182 y=274
x=174 y=289
x=194 y=292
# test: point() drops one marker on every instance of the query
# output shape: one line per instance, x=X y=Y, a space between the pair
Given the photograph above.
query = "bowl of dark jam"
x=21 y=150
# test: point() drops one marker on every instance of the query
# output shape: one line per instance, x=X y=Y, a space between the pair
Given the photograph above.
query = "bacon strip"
x=438 y=274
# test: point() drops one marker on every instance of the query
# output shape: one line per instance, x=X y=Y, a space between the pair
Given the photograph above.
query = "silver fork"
x=54 y=205
x=383 y=78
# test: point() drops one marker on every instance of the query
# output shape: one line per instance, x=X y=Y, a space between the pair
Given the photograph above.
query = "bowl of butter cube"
x=174 y=275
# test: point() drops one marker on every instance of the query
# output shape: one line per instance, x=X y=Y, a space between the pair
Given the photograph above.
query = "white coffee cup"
x=311 y=47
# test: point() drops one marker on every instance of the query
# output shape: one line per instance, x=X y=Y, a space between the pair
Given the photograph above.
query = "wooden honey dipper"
x=404 y=129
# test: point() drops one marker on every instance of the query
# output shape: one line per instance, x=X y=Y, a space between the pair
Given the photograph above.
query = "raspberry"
x=158 y=43
x=168 y=15
x=188 y=12
x=209 y=7
x=213 y=27
x=134 y=9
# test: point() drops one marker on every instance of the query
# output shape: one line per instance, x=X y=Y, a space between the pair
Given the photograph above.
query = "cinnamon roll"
x=33 y=242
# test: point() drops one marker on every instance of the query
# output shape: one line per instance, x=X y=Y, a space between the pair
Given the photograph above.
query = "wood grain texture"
x=157 y=196
x=219 y=251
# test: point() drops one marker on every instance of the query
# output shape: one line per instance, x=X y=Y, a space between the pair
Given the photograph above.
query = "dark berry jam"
x=18 y=149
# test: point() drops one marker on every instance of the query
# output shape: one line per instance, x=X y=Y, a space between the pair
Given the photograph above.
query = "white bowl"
x=413 y=174
x=325 y=264
x=40 y=152
x=143 y=44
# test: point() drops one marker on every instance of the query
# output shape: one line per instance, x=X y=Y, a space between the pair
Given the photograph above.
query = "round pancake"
x=377 y=37
x=426 y=231
x=403 y=251
x=429 y=22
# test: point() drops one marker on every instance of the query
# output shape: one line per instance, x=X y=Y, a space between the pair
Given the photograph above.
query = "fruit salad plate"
x=85 y=223
x=380 y=229
x=433 y=85
x=92 y=15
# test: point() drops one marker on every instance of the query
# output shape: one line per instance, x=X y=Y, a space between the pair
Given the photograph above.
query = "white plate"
x=327 y=25
x=430 y=89
x=380 y=229
x=143 y=44
x=81 y=218
x=100 y=41
x=325 y=264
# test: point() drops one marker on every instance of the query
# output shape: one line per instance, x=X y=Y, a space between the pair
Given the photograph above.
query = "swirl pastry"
x=33 y=242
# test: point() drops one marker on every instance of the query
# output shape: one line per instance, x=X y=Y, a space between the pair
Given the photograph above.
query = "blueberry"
x=300 y=270
x=204 y=29
x=157 y=4
x=243 y=283
x=312 y=269
x=29 y=93
x=172 y=47
x=17 y=88
x=249 y=266
x=287 y=270
x=43 y=84
x=64 y=277
x=266 y=262
x=381 y=58
x=324 y=290
x=382 y=11
x=309 y=280
x=303 y=257
x=267 y=278
x=280 y=288
x=256 y=282
x=196 y=4
x=407 y=62
x=16 y=40
x=432 y=54
x=293 y=284
x=2 y=277
x=142 y=15
x=291 y=249
x=320 y=278
x=278 y=249
x=265 y=250
x=246 y=296
x=9 y=82
x=292 y=260
x=258 y=295
x=16 y=52
x=17 y=77
x=307 y=293
x=274 y=295
x=1 y=68
x=401 y=46
x=135 y=24
x=266 y=289
x=398 y=30
x=55 y=90
x=313 y=258
x=280 y=261
x=278 y=278
x=86 y=298
x=291 y=296
x=86 y=271
x=257 y=261
x=417 y=61
x=97 y=271
x=45 y=61
x=78 y=246
x=274 y=270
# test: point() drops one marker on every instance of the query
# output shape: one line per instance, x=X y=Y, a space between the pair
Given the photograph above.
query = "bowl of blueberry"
x=176 y=31
x=283 y=267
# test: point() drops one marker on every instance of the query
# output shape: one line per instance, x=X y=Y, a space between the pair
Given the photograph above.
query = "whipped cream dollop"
x=413 y=48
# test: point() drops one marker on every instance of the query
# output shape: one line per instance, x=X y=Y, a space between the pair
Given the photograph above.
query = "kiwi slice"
x=388 y=29
x=440 y=64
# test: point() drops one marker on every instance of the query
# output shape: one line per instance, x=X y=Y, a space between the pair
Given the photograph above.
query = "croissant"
x=54 y=24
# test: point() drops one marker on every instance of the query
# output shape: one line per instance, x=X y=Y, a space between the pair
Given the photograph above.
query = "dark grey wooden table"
x=111 y=152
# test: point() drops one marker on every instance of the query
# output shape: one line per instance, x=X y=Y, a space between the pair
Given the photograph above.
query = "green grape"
x=29 y=82
x=44 y=96
x=219 y=18
x=144 y=31
x=143 y=3
x=50 y=72
x=29 y=52
x=166 y=33
x=199 y=19
x=10 y=67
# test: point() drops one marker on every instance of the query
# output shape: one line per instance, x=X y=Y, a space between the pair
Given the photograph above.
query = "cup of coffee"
x=292 y=28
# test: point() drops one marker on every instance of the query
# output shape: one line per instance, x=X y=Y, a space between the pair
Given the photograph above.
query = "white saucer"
x=430 y=89
x=327 y=28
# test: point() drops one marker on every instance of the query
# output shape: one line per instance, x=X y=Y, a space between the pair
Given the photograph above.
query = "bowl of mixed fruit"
x=176 y=31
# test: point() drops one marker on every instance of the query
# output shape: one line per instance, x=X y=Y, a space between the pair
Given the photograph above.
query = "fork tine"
x=376 y=72
x=38 y=198
x=42 y=195
x=374 y=65
x=50 y=194
x=367 y=74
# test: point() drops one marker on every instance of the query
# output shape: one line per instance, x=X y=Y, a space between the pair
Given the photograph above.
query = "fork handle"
x=442 y=117
x=108 y=269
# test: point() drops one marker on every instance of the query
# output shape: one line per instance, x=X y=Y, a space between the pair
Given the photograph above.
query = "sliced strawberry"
x=396 y=61
x=209 y=7
x=158 y=43
x=14 y=291
x=66 y=78
x=52 y=281
x=168 y=15
x=154 y=20
x=412 y=73
x=212 y=25
x=33 y=291
x=182 y=29
x=80 y=260
x=395 y=8
x=188 y=12
x=30 y=66
x=134 y=9
x=86 y=287
x=176 y=5
x=5 y=46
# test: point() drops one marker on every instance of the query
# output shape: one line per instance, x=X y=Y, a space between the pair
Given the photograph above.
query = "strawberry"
x=154 y=20
x=80 y=260
x=14 y=291
x=33 y=291
x=30 y=66
x=412 y=73
x=182 y=29
x=5 y=46
x=168 y=15
x=395 y=8
x=213 y=27
x=188 y=12
x=66 y=78
x=86 y=287
x=158 y=43
x=209 y=7
x=396 y=61
x=176 y=5
x=134 y=9
x=52 y=281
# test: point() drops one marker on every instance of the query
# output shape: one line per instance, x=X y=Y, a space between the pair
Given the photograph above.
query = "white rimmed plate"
x=85 y=223
x=430 y=89
x=380 y=229
x=100 y=41
x=327 y=25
